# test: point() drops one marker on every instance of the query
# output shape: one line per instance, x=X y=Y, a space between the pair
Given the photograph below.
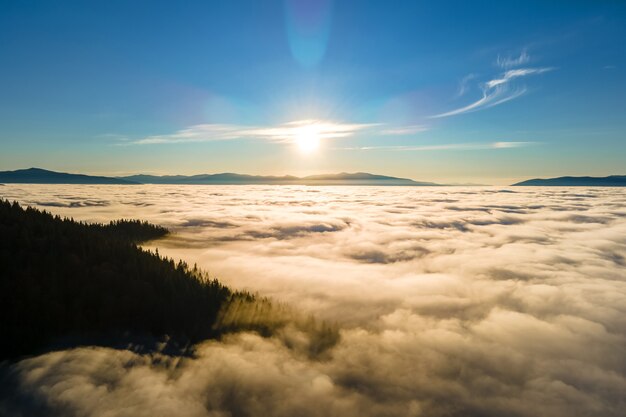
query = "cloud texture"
x=450 y=302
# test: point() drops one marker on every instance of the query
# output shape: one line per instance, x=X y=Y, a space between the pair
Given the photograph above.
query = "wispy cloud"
x=497 y=91
x=515 y=73
x=491 y=97
x=464 y=85
x=112 y=137
x=195 y=133
x=404 y=130
x=499 y=145
x=444 y=147
x=283 y=133
x=510 y=62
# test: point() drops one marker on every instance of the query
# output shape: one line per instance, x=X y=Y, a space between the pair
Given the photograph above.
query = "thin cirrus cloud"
x=444 y=147
x=516 y=73
x=283 y=133
x=405 y=130
x=288 y=133
x=510 y=62
x=498 y=90
x=464 y=85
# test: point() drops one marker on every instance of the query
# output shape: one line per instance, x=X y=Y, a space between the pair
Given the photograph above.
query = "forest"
x=63 y=281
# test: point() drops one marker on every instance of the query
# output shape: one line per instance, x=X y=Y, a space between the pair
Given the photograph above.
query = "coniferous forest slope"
x=64 y=279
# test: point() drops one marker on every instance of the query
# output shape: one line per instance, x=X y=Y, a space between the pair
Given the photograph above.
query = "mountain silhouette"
x=358 y=178
x=610 y=181
x=43 y=176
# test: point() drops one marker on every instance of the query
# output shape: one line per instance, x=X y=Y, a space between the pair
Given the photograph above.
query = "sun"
x=307 y=138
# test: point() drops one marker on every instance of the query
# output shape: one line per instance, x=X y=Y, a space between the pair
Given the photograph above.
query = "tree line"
x=62 y=278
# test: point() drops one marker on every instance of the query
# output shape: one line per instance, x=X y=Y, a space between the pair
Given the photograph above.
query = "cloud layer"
x=450 y=302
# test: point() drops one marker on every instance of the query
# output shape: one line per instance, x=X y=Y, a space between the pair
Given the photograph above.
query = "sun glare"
x=308 y=139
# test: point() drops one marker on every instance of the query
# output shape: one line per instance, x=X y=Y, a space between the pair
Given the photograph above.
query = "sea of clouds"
x=450 y=301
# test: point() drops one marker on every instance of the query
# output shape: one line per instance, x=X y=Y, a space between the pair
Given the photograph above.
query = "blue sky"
x=444 y=91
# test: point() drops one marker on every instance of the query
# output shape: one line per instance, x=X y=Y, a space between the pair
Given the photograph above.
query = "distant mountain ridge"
x=358 y=178
x=610 y=181
x=42 y=176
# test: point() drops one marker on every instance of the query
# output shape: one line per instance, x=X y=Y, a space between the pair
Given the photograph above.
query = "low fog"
x=449 y=301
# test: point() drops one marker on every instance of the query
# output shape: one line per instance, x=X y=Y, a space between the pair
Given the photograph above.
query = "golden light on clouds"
x=434 y=291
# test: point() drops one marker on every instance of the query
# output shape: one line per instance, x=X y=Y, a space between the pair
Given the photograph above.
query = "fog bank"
x=450 y=302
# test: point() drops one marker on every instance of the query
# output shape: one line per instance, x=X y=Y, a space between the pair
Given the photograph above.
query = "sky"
x=448 y=91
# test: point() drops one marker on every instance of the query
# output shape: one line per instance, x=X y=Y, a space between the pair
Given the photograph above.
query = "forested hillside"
x=61 y=278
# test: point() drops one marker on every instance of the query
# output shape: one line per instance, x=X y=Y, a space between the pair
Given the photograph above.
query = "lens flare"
x=308 y=29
